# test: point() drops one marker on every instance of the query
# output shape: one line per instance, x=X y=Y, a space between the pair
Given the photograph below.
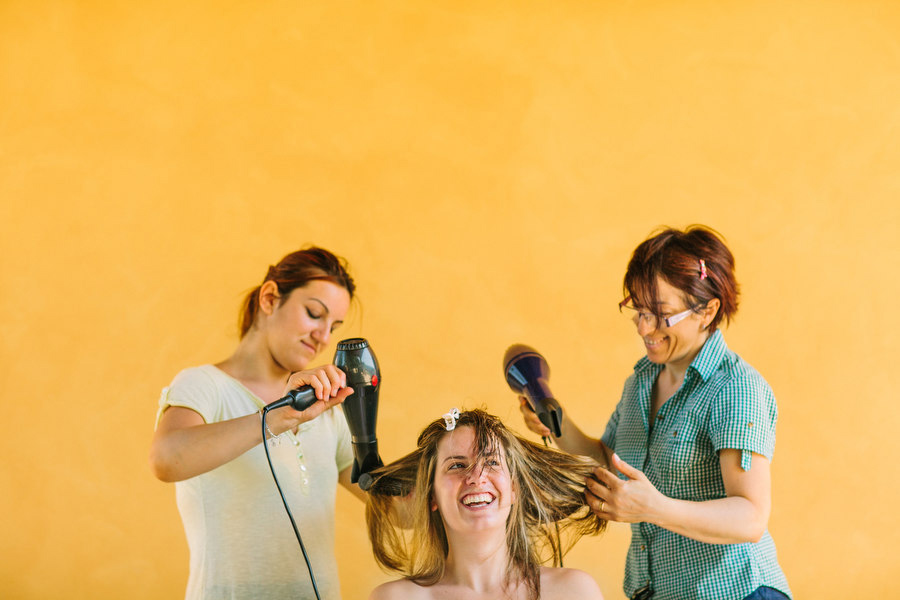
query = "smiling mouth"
x=653 y=344
x=477 y=500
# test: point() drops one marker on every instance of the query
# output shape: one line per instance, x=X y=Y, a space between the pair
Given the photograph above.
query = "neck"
x=252 y=362
x=478 y=561
x=674 y=373
x=677 y=369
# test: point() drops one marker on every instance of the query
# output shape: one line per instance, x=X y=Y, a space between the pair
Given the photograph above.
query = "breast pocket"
x=681 y=458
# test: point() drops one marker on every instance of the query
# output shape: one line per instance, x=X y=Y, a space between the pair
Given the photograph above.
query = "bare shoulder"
x=398 y=590
x=561 y=583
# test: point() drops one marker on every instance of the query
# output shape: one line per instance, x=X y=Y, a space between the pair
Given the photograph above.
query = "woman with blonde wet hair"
x=487 y=509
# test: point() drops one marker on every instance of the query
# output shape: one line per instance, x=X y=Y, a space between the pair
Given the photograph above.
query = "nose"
x=644 y=326
x=322 y=333
x=477 y=474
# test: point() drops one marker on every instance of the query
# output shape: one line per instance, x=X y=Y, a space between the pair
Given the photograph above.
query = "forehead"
x=666 y=294
x=459 y=442
x=334 y=297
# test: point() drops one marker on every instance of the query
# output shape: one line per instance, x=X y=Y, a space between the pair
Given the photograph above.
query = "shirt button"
x=643 y=547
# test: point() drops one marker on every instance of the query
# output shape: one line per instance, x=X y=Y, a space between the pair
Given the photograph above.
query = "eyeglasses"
x=651 y=319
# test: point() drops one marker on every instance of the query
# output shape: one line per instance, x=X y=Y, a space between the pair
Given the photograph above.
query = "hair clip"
x=451 y=418
x=703 y=273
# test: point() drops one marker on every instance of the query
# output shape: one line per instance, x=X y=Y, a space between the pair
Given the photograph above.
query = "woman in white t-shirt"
x=208 y=441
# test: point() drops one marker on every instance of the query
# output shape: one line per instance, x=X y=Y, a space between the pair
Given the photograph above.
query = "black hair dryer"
x=355 y=358
x=527 y=373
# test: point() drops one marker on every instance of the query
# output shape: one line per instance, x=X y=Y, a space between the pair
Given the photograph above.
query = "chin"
x=294 y=363
x=656 y=359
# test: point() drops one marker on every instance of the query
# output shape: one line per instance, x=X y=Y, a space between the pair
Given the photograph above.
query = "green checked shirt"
x=722 y=403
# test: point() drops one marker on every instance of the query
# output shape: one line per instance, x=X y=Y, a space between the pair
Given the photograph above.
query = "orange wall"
x=486 y=168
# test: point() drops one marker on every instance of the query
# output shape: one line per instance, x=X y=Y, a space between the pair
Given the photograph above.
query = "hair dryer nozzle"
x=527 y=373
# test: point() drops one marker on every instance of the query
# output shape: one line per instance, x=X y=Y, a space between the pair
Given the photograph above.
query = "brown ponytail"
x=295 y=271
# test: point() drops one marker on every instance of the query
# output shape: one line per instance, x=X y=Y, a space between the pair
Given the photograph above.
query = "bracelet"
x=272 y=436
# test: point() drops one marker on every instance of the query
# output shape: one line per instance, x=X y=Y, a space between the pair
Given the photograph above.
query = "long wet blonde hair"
x=549 y=516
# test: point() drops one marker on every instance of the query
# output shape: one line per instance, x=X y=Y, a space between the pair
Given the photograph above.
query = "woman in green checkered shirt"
x=686 y=454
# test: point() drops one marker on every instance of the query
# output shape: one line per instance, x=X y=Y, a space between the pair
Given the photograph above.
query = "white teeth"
x=477 y=499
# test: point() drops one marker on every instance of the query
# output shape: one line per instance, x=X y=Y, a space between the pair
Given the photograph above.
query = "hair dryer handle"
x=299 y=399
x=544 y=405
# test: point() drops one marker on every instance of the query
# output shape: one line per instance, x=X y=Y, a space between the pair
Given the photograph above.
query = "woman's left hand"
x=632 y=500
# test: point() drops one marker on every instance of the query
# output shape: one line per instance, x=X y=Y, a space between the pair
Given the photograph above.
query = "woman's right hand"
x=330 y=385
x=531 y=419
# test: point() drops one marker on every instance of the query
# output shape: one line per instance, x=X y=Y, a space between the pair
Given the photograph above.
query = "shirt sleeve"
x=743 y=417
x=193 y=389
x=343 y=455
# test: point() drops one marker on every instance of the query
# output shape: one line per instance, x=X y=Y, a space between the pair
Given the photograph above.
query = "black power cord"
x=312 y=577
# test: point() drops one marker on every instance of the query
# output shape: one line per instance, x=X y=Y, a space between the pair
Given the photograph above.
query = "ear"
x=268 y=297
x=710 y=312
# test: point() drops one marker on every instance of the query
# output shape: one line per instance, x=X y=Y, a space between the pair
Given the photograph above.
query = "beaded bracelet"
x=275 y=439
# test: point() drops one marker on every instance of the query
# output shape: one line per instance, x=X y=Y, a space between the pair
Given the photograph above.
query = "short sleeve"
x=343 y=456
x=194 y=389
x=743 y=417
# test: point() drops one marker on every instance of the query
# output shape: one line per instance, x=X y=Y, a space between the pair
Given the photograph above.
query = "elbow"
x=161 y=467
x=756 y=529
x=755 y=534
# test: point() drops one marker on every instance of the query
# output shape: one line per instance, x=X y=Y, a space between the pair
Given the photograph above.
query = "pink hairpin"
x=703 y=273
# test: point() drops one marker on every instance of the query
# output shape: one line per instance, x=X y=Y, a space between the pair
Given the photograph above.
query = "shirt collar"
x=710 y=356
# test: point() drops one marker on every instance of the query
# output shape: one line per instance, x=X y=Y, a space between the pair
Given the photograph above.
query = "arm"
x=185 y=446
x=740 y=517
x=573 y=440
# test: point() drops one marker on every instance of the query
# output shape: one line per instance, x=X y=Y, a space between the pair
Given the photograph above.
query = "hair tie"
x=451 y=418
x=703 y=273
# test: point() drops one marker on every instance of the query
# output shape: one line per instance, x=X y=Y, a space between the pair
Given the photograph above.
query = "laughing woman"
x=693 y=435
x=486 y=507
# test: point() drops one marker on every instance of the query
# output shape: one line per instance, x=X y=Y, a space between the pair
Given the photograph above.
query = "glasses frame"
x=670 y=321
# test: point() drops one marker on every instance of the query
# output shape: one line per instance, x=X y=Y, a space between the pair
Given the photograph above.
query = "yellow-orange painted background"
x=487 y=169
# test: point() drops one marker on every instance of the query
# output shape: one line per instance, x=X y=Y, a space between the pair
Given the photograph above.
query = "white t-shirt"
x=241 y=541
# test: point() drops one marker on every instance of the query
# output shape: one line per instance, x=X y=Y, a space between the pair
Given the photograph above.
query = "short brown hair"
x=675 y=256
